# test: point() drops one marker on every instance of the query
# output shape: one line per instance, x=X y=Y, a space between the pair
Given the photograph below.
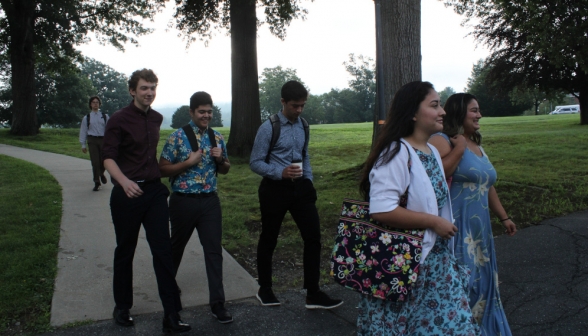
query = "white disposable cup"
x=298 y=164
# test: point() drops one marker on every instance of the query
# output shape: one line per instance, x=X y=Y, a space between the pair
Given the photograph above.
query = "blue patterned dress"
x=438 y=305
x=474 y=242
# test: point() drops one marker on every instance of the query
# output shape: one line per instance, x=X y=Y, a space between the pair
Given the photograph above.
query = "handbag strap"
x=404 y=198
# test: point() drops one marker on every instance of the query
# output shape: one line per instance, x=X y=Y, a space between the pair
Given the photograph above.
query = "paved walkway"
x=83 y=287
x=543 y=274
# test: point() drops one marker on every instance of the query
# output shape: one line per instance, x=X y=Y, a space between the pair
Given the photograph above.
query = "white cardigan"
x=389 y=182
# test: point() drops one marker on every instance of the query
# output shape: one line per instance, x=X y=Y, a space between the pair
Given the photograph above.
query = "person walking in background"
x=139 y=197
x=92 y=131
x=402 y=162
x=472 y=193
x=194 y=202
x=287 y=186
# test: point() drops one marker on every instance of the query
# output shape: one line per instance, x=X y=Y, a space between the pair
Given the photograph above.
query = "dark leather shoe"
x=173 y=324
x=96 y=186
x=103 y=179
x=122 y=317
x=222 y=315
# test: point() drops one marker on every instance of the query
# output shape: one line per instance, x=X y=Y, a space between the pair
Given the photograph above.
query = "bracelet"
x=507 y=218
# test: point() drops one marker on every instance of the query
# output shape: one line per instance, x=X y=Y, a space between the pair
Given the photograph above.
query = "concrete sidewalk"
x=83 y=287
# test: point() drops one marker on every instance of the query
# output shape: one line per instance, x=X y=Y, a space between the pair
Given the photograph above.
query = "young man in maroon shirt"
x=139 y=197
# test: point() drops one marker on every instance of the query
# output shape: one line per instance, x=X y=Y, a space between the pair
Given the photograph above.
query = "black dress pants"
x=203 y=214
x=275 y=199
x=149 y=209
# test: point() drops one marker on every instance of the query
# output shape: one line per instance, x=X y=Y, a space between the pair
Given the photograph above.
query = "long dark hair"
x=399 y=124
x=456 y=109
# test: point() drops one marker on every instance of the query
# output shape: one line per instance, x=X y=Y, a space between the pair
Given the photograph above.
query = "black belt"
x=94 y=136
x=143 y=183
x=192 y=195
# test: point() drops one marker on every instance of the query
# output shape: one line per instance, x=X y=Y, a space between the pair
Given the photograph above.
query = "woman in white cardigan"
x=402 y=161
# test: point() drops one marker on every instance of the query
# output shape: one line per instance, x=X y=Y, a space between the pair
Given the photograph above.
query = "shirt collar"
x=284 y=120
x=138 y=110
x=198 y=130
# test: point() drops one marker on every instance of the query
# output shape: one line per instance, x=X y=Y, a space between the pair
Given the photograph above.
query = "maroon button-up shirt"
x=130 y=139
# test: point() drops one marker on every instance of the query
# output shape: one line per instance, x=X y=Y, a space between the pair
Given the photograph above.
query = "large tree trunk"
x=400 y=53
x=245 y=110
x=22 y=59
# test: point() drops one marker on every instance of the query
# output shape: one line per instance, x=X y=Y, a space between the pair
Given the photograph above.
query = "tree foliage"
x=270 y=88
x=62 y=97
x=199 y=19
x=46 y=31
x=181 y=117
x=445 y=93
x=493 y=100
x=363 y=85
x=62 y=94
x=542 y=44
x=110 y=85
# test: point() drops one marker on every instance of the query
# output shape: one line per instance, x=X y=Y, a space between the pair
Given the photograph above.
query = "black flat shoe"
x=96 y=187
x=103 y=179
x=122 y=317
x=172 y=324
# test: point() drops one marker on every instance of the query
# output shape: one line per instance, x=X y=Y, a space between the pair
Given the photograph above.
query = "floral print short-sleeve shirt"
x=200 y=178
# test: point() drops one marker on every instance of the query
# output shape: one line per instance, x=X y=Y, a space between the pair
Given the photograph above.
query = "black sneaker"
x=222 y=315
x=320 y=300
x=266 y=296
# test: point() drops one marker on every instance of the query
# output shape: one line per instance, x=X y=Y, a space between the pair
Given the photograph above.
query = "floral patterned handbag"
x=374 y=259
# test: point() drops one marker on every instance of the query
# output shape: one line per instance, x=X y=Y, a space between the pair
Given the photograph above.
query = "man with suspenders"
x=192 y=157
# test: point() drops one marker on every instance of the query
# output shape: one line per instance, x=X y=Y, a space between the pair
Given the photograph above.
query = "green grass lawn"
x=541 y=163
x=30 y=215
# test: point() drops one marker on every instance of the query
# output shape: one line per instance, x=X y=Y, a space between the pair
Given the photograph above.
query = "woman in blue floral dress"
x=472 y=195
x=402 y=160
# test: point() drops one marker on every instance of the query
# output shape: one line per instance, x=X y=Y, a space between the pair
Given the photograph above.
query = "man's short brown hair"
x=146 y=74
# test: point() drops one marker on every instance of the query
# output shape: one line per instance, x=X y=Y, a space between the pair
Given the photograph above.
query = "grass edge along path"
x=30 y=217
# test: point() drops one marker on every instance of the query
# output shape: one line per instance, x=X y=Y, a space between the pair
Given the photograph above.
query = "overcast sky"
x=316 y=48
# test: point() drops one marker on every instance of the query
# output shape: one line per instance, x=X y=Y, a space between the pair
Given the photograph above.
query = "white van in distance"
x=566 y=109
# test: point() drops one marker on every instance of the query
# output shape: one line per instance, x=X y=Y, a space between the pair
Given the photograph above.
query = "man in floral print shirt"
x=194 y=203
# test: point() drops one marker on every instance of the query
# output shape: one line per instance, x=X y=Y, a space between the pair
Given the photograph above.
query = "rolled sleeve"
x=388 y=182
